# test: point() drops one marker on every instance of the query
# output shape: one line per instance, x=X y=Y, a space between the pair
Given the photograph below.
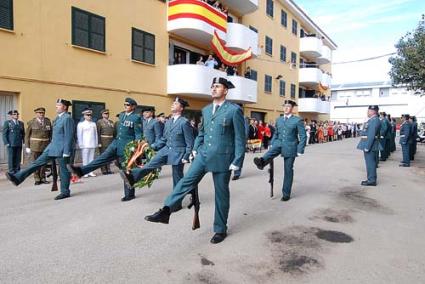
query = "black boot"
x=162 y=216
x=62 y=196
x=11 y=177
x=127 y=178
x=76 y=171
x=260 y=163
x=218 y=238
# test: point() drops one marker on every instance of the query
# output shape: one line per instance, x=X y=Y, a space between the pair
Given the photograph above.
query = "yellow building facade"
x=96 y=53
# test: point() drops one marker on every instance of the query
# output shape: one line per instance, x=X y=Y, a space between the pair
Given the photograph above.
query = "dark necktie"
x=216 y=107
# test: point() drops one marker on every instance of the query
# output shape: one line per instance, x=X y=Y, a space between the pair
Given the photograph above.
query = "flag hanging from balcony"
x=227 y=56
x=322 y=89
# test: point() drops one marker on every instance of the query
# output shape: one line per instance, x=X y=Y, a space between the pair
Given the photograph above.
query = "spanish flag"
x=198 y=10
x=227 y=56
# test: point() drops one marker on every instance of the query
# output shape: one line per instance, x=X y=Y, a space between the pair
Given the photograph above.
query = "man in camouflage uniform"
x=105 y=132
x=37 y=138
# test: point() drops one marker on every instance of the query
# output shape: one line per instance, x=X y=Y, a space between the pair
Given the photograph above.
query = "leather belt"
x=107 y=136
x=39 y=139
x=402 y=135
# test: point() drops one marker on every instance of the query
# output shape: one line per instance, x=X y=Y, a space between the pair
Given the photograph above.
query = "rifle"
x=271 y=177
x=54 y=173
x=196 y=206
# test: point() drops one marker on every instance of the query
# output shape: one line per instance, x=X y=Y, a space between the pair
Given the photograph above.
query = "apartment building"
x=95 y=53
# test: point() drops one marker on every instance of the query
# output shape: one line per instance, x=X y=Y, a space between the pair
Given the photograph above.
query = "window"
x=282 y=86
x=283 y=18
x=6 y=14
x=293 y=90
x=88 y=30
x=253 y=75
x=269 y=46
x=143 y=46
x=253 y=29
x=294 y=27
x=282 y=53
x=267 y=84
x=294 y=59
x=269 y=8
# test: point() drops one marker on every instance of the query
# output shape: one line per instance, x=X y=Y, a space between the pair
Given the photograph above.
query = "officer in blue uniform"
x=414 y=138
x=405 y=140
x=219 y=148
x=60 y=148
x=174 y=148
x=369 y=144
x=129 y=128
x=384 y=136
x=13 y=139
x=237 y=173
x=393 y=133
x=288 y=141
x=152 y=130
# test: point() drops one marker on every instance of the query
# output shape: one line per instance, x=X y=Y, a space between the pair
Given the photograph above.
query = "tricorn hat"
x=64 y=102
x=223 y=81
x=374 y=107
x=131 y=101
x=289 y=102
x=183 y=103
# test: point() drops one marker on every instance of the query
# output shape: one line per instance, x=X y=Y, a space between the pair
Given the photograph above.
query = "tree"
x=408 y=65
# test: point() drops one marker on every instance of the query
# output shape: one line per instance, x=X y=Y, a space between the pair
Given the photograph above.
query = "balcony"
x=326 y=80
x=195 y=20
x=241 y=7
x=240 y=38
x=310 y=77
x=314 y=105
x=326 y=56
x=194 y=81
x=311 y=47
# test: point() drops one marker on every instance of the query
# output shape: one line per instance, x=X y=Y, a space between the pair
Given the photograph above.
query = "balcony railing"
x=191 y=80
x=311 y=47
x=240 y=37
x=326 y=56
x=315 y=105
x=241 y=7
x=310 y=77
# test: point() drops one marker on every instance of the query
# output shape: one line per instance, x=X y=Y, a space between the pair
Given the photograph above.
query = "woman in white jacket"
x=87 y=138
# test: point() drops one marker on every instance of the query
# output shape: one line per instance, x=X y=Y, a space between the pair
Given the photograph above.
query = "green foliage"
x=408 y=66
x=149 y=153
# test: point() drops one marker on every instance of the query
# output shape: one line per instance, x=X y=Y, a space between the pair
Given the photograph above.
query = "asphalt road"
x=332 y=231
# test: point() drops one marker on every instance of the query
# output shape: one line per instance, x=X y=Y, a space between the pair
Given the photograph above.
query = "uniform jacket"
x=221 y=138
x=38 y=135
x=385 y=131
x=177 y=141
x=87 y=135
x=62 y=136
x=290 y=135
x=406 y=133
x=13 y=133
x=414 y=131
x=370 y=135
x=152 y=130
x=105 y=132
x=128 y=128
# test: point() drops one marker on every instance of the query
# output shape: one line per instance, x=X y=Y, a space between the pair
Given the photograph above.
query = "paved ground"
x=332 y=231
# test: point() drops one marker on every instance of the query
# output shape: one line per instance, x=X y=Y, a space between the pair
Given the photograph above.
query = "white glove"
x=185 y=161
x=366 y=150
x=299 y=154
x=28 y=150
x=100 y=145
x=66 y=156
x=193 y=155
x=233 y=167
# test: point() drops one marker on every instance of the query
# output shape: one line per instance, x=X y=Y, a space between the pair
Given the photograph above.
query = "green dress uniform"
x=393 y=136
x=37 y=138
x=105 y=133
x=219 y=144
x=414 y=137
x=60 y=148
x=13 y=138
x=369 y=144
x=289 y=141
x=129 y=128
x=384 y=139
x=406 y=141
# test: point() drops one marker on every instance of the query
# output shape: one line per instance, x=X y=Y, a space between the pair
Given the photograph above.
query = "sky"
x=363 y=29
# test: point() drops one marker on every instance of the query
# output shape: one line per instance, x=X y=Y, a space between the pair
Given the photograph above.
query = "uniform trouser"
x=190 y=181
x=405 y=149
x=371 y=159
x=14 y=156
x=106 y=168
x=40 y=173
x=393 y=145
x=87 y=155
x=412 y=151
x=383 y=152
x=106 y=158
x=238 y=173
x=288 y=169
x=156 y=163
x=387 y=147
x=41 y=161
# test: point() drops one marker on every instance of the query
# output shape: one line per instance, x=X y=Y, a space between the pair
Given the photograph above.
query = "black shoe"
x=76 y=171
x=127 y=198
x=235 y=177
x=382 y=160
x=404 y=165
x=38 y=183
x=218 y=238
x=127 y=178
x=11 y=177
x=260 y=163
x=45 y=182
x=62 y=196
x=162 y=216
x=285 y=198
x=368 y=183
